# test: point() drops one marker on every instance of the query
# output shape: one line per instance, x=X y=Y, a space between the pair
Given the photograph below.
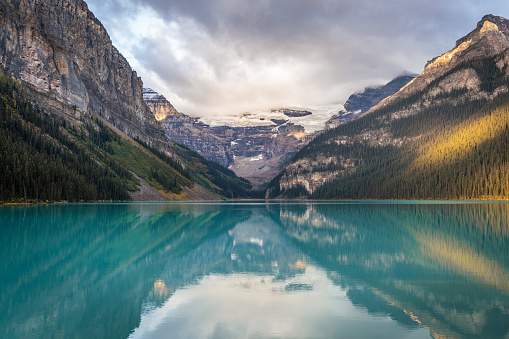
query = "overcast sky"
x=216 y=57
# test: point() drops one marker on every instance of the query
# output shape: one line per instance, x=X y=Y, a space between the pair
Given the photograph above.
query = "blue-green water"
x=255 y=270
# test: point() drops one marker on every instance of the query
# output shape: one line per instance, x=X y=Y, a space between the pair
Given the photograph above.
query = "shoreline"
x=226 y=201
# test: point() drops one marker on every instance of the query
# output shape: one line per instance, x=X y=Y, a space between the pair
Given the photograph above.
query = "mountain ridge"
x=439 y=65
x=362 y=101
x=442 y=136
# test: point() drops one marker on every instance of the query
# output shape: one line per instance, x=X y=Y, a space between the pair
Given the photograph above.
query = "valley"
x=257 y=146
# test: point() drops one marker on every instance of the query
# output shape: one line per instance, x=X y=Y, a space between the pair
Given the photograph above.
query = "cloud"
x=242 y=305
x=211 y=57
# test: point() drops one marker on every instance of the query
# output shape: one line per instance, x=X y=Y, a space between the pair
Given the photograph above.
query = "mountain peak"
x=149 y=94
x=158 y=104
x=501 y=22
x=489 y=23
x=489 y=38
x=489 y=26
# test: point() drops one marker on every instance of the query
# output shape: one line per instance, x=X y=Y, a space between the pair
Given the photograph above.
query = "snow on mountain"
x=311 y=122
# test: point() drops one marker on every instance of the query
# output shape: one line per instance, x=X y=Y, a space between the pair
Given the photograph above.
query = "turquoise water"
x=255 y=270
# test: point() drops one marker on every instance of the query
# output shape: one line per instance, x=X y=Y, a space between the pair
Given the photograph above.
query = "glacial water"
x=255 y=270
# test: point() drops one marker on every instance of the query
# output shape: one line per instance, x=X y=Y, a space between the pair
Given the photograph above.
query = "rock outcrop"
x=66 y=59
x=160 y=107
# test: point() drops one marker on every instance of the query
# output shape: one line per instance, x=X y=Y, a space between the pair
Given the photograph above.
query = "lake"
x=255 y=270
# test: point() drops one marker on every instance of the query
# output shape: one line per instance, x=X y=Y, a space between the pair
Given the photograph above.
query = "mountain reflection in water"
x=243 y=270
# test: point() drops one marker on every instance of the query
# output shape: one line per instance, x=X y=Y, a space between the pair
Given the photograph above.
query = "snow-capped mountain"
x=256 y=145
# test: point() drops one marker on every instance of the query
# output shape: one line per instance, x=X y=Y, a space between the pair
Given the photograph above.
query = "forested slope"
x=458 y=152
x=446 y=138
x=44 y=158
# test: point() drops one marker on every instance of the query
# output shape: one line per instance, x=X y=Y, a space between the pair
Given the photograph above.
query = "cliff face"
x=65 y=57
x=260 y=152
x=62 y=60
x=428 y=140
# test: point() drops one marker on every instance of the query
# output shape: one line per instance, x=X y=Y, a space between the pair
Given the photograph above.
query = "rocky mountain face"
x=443 y=135
x=259 y=152
x=256 y=153
x=71 y=88
x=186 y=130
x=361 y=102
x=65 y=57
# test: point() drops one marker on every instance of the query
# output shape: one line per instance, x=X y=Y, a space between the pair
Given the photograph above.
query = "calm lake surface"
x=255 y=270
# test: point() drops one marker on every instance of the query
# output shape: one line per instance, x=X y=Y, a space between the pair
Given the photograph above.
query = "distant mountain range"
x=442 y=136
x=260 y=150
x=256 y=153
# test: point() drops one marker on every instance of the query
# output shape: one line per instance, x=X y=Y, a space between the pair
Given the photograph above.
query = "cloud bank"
x=224 y=57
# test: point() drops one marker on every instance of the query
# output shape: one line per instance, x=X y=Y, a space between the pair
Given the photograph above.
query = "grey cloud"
x=331 y=47
x=285 y=18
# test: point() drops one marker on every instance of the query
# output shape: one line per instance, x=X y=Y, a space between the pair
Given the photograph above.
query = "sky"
x=227 y=57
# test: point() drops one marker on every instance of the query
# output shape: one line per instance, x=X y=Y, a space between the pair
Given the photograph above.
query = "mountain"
x=75 y=126
x=361 y=102
x=256 y=153
x=488 y=39
x=259 y=149
x=186 y=130
x=65 y=57
x=159 y=106
x=444 y=135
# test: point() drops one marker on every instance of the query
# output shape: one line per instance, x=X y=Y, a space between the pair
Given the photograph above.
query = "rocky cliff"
x=443 y=135
x=66 y=59
x=188 y=131
x=78 y=93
